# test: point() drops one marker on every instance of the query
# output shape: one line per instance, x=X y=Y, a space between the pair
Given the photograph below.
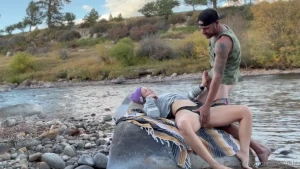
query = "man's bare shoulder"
x=226 y=40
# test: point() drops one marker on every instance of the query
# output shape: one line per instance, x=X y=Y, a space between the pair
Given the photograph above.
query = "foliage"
x=22 y=62
x=52 y=11
x=87 y=42
x=34 y=15
x=280 y=37
x=149 y=9
x=195 y=3
x=177 y=18
x=137 y=33
x=70 y=17
x=117 y=32
x=100 y=28
x=123 y=51
x=195 y=46
x=186 y=29
x=91 y=18
x=155 y=48
x=159 y=7
x=68 y=36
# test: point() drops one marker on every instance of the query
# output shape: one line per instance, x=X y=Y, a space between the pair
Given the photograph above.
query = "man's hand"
x=204 y=114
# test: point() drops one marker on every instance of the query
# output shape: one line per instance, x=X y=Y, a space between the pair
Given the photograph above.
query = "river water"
x=274 y=100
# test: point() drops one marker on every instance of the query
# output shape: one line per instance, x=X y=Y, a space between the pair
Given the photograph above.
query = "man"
x=225 y=59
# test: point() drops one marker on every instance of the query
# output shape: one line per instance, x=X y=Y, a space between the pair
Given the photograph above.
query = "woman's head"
x=139 y=95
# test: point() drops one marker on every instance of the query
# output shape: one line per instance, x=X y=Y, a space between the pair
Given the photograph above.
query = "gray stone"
x=34 y=157
x=100 y=160
x=88 y=145
x=48 y=84
x=69 y=151
x=86 y=160
x=48 y=146
x=57 y=149
x=21 y=109
x=84 y=167
x=107 y=118
x=53 y=160
x=9 y=123
x=144 y=150
x=14 y=155
x=5 y=156
x=21 y=156
x=38 y=148
x=4 y=147
x=65 y=158
x=5 y=88
x=27 y=143
x=100 y=142
x=70 y=167
x=43 y=165
x=119 y=80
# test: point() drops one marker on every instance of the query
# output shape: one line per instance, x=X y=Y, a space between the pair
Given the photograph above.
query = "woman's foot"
x=264 y=155
x=244 y=157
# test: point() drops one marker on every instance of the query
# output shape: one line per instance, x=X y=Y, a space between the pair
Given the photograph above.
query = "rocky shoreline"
x=66 y=143
x=28 y=84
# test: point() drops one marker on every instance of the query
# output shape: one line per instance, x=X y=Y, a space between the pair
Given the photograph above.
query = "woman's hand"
x=154 y=96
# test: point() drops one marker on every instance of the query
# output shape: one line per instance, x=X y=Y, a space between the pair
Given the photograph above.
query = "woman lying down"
x=187 y=119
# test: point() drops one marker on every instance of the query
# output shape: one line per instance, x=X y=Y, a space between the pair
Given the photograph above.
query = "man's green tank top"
x=232 y=69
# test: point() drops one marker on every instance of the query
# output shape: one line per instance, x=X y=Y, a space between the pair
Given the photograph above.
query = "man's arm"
x=222 y=50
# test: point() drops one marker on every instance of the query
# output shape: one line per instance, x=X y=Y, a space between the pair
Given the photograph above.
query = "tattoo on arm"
x=221 y=51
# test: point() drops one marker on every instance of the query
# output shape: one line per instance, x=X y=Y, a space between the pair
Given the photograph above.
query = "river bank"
x=32 y=84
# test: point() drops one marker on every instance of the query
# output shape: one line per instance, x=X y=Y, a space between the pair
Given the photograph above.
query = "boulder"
x=5 y=88
x=142 y=150
x=24 y=110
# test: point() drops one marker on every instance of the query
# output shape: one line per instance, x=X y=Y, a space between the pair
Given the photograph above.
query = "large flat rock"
x=133 y=148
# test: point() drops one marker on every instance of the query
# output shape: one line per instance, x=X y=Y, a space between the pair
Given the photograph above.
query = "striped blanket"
x=217 y=142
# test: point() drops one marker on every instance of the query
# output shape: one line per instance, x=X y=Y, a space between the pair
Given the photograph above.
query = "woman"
x=181 y=108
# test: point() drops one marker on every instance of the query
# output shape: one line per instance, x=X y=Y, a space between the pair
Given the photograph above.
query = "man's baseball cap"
x=209 y=16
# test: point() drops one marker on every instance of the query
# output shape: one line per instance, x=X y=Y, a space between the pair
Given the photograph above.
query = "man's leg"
x=261 y=151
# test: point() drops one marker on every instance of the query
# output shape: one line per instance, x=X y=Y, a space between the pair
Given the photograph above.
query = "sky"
x=13 y=11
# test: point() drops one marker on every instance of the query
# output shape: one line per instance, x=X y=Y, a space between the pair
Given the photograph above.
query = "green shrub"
x=195 y=46
x=193 y=20
x=177 y=18
x=117 y=32
x=19 y=78
x=100 y=28
x=155 y=48
x=68 y=36
x=173 y=35
x=87 y=42
x=137 y=33
x=123 y=51
x=78 y=74
x=186 y=29
x=17 y=43
x=22 y=62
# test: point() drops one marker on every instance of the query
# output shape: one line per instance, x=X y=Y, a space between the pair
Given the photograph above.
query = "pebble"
x=86 y=160
x=88 y=145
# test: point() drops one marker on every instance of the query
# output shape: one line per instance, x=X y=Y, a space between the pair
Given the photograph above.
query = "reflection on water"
x=274 y=100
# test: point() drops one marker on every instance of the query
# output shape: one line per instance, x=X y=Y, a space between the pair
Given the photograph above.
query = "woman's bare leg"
x=188 y=124
x=224 y=115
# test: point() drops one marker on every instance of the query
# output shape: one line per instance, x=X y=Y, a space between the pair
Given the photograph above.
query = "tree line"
x=50 y=12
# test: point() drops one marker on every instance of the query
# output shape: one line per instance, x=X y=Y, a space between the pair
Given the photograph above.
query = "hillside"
x=139 y=46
